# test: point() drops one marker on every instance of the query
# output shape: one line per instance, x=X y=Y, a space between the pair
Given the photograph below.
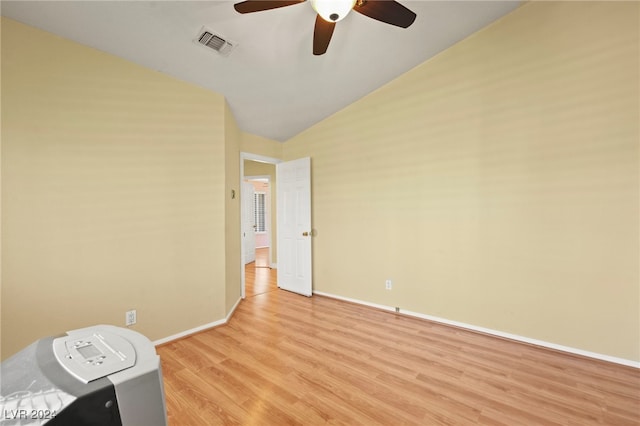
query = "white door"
x=293 y=198
x=248 y=223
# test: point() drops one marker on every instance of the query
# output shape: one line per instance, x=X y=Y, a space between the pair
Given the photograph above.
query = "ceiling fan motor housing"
x=333 y=10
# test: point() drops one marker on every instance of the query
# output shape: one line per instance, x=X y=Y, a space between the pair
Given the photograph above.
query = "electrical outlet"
x=131 y=317
x=388 y=285
x=397 y=310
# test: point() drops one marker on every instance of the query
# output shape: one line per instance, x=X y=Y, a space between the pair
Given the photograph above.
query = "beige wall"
x=113 y=193
x=1 y=174
x=262 y=146
x=232 y=217
x=255 y=168
x=496 y=184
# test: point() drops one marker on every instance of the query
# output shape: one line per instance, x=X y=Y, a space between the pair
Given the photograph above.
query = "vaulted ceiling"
x=273 y=83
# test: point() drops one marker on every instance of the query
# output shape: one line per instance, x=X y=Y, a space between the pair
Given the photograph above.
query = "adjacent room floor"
x=286 y=359
x=259 y=278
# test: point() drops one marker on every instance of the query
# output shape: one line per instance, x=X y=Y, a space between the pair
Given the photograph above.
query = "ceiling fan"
x=332 y=11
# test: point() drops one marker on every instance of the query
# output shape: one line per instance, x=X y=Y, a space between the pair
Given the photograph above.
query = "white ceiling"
x=273 y=83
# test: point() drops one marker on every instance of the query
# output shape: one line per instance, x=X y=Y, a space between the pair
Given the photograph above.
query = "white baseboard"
x=575 y=351
x=199 y=328
x=230 y=314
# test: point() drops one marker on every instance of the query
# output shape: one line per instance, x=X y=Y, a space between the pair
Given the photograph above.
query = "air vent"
x=216 y=42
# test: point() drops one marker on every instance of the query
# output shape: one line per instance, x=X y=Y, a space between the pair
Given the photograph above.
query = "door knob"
x=305 y=234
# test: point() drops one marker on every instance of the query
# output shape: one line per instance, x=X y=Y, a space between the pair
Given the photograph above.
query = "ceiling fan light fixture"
x=332 y=10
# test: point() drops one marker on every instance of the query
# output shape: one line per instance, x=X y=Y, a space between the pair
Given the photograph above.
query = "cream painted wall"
x=113 y=193
x=261 y=146
x=255 y=168
x=233 y=262
x=496 y=184
x=0 y=191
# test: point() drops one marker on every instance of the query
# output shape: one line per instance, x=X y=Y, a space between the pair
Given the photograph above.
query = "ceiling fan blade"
x=260 y=5
x=322 y=35
x=388 y=11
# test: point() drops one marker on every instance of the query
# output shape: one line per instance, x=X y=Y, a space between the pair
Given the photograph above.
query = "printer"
x=102 y=375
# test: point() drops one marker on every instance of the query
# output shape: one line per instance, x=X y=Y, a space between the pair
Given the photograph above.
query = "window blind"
x=259 y=202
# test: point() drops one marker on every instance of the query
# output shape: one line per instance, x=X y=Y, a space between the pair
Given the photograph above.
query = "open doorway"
x=257 y=221
x=258 y=248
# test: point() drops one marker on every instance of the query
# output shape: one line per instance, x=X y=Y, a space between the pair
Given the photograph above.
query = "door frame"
x=262 y=159
x=248 y=255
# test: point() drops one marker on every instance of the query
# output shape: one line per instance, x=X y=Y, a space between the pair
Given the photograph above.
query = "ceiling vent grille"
x=213 y=41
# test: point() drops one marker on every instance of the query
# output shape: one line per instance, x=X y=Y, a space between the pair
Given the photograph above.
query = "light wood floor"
x=285 y=359
x=259 y=278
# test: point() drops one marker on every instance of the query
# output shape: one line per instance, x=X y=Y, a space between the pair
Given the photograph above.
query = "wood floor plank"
x=285 y=359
